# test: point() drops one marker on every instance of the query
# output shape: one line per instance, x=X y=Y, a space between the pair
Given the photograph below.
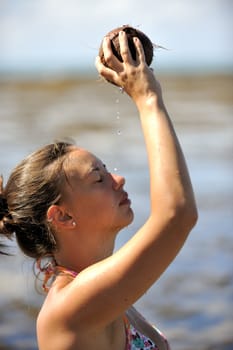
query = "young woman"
x=61 y=202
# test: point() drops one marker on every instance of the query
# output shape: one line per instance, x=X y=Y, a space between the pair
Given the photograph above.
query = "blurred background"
x=49 y=89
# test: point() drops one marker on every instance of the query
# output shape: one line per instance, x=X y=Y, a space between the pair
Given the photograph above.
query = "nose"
x=118 y=181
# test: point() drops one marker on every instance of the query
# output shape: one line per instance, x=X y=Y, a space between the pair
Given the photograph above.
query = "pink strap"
x=50 y=270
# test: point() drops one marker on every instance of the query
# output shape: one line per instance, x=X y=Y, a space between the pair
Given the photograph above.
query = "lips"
x=125 y=200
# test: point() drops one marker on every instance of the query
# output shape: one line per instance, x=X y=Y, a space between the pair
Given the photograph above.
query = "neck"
x=77 y=256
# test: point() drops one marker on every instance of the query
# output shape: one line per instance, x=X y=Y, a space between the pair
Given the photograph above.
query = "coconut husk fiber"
x=131 y=33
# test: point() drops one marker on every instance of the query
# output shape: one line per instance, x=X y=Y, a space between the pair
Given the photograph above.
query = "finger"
x=100 y=66
x=140 y=56
x=110 y=59
x=106 y=72
x=124 y=48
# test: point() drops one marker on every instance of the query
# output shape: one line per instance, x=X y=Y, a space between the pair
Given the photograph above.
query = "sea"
x=192 y=302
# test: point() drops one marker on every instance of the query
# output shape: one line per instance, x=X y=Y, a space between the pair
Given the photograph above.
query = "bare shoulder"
x=60 y=327
x=57 y=308
x=54 y=319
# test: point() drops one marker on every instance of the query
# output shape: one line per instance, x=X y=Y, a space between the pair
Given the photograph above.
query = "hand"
x=134 y=76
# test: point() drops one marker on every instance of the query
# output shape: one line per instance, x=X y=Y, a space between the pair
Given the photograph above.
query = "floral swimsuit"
x=137 y=341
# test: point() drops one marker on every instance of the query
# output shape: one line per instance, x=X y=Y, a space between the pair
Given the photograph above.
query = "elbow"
x=194 y=214
x=186 y=214
x=181 y=214
x=191 y=218
x=192 y=211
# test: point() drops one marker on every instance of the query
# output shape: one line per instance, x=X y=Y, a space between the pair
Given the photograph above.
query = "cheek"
x=94 y=208
x=97 y=205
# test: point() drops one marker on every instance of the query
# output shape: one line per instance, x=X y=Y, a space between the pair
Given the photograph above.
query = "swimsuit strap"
x=66 y=270
x=50 y=270
x=127 y=332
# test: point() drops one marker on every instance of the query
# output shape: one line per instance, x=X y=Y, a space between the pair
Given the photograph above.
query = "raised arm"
x=107 y=288
x=173 y=210
x=172 y=199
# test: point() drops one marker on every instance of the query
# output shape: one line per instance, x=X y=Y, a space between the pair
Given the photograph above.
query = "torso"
x=56 y=333
x=125 y=333
x=61 y=337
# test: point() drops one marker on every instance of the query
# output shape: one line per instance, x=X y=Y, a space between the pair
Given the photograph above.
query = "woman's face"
x=94 y=197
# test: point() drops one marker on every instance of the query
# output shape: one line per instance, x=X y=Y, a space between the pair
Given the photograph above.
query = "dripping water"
x=118 y=130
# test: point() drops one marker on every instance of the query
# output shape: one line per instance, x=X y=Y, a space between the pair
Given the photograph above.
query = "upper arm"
x=103 y=291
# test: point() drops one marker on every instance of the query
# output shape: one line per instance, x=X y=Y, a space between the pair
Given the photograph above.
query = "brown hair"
x=33 y=186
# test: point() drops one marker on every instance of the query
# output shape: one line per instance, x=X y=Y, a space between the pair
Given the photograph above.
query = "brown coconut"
x=131 y=33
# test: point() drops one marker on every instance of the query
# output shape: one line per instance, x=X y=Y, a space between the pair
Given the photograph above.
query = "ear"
x=57 y=215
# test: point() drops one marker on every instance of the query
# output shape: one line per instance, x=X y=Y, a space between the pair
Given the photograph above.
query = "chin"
x=126 y=222
x=130 y=219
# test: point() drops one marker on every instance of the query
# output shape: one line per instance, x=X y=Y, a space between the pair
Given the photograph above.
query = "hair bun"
x=5 y=230
x=3 y=202
x=131 y=33
x=3 y=207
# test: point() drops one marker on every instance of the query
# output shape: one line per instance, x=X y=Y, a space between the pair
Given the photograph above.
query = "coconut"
x=131 y=33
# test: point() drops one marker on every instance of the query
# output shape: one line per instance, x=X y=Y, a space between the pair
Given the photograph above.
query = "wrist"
x=151 y=102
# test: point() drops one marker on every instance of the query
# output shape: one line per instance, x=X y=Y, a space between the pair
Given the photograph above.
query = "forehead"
x=80 y=162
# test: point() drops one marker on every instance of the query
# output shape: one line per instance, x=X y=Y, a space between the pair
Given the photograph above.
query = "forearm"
x=170 y=184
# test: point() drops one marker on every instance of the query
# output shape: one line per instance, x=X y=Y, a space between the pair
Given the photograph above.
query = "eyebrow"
x=95 y=168
x=98 y=167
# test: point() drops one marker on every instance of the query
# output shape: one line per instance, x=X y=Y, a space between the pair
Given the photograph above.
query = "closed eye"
x=99 y=173
x=100 y=179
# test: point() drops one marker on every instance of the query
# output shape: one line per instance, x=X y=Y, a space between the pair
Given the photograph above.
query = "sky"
x=64 y=35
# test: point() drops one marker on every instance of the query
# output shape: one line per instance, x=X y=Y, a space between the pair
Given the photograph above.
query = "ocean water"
x=192 y=302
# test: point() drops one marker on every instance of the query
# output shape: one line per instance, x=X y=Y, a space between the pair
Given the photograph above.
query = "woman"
x=61 y=202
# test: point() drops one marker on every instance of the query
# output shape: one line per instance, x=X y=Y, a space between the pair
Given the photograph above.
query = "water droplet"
x=118 y=132
x=115 y=169
x=118 y=115
x=117 y=100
